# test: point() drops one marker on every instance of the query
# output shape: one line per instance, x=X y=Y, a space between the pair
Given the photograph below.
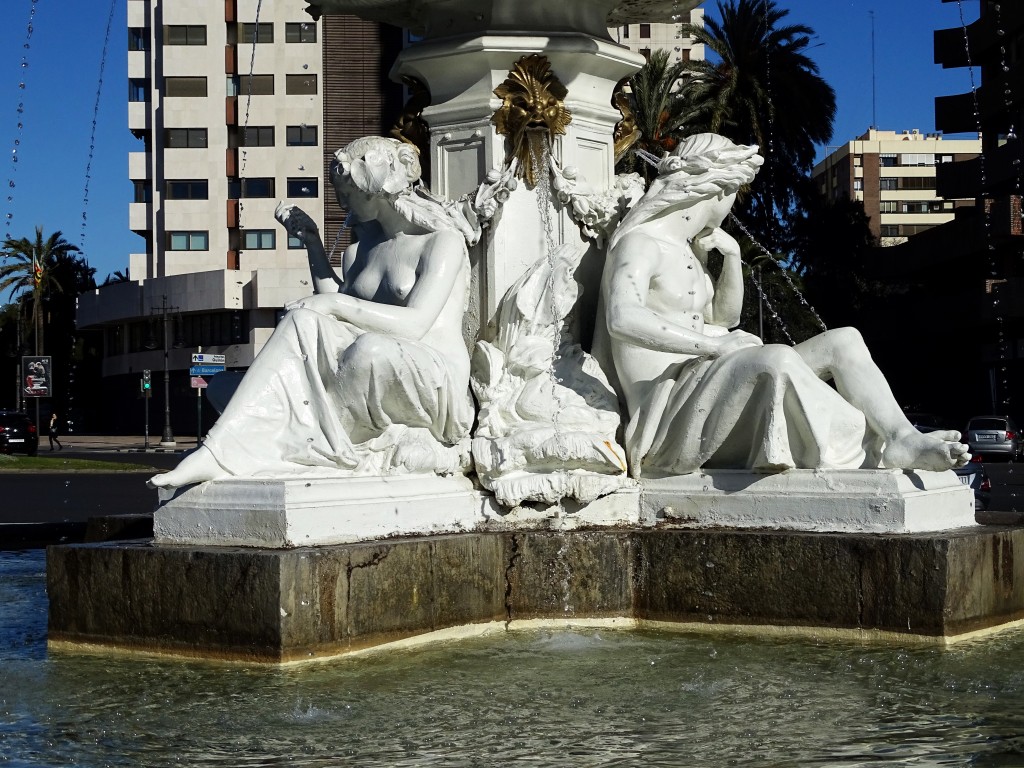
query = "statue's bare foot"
x=935 y=451
x=198 y=467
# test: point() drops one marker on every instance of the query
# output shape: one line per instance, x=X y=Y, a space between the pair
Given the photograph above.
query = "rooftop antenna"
x=874 y=117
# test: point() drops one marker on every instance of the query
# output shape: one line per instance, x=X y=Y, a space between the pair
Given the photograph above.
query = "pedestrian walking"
x=55 y=432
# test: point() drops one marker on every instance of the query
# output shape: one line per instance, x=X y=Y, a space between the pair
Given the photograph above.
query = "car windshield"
x=987 y=424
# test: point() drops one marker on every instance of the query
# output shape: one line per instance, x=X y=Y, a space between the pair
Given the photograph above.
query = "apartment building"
x=236 y=105
x=894 y=175
x=644 y=38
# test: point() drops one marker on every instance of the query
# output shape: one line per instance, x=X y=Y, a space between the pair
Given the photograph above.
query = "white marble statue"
x=700 y=395
x=548 y=416
x=370 y=375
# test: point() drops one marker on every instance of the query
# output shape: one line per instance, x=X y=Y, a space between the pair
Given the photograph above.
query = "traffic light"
x=147 y=382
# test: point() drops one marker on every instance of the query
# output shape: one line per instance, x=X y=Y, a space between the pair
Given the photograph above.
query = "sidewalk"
x=120 y=443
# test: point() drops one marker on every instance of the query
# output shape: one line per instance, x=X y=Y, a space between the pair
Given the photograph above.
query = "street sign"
x=205 y=370
x=36 y=378
x=198 y=382
x=202 y=358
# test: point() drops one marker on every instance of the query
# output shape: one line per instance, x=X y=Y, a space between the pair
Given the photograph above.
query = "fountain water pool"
x=664 y=698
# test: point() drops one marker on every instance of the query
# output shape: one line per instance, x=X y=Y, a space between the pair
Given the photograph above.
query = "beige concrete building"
x=893 y=174
x=644 y=38
x=217 y=150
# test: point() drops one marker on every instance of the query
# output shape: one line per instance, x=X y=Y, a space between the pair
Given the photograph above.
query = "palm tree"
x=763 y=89
x=39 y=266
x=657 y=109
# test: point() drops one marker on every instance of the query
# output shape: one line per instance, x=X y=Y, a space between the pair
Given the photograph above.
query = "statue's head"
x=376 y=166
x=706 y=162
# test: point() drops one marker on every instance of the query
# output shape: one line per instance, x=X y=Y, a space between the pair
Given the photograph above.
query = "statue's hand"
x=299 y=224
x=717 y=239
x=734 y=341
x=324 y=303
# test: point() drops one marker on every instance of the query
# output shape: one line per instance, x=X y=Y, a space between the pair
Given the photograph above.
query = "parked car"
x=18 y=433
x=994 y=437
x=974 y=475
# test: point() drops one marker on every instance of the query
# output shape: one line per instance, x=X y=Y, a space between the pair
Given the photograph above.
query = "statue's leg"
x=842 y=356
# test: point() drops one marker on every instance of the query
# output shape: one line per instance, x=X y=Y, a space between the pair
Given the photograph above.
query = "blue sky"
x=64 y=65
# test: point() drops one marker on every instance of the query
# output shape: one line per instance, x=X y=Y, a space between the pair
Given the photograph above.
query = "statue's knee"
x=777 y=358
x=367 y=349
x=848 y=344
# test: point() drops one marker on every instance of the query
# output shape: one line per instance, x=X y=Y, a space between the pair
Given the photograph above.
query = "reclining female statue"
x=370 y=375
x=700 y=395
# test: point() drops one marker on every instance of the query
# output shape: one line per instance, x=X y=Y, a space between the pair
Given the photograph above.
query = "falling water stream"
x=580 y=698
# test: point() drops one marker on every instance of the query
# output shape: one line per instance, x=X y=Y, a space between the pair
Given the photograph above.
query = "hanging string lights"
x=1001 y=394
x=16 y=142
x=95 y=116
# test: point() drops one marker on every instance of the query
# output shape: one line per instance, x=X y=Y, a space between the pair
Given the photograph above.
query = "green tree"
x=759 y=86
x=657 y=110
x=43 y=267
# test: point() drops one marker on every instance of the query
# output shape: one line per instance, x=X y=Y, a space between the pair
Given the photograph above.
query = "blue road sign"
x=205 y=370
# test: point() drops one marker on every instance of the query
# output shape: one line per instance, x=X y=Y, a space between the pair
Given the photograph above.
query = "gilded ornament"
x=532 y=112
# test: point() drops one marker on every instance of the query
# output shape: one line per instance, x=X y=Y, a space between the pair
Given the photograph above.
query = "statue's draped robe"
x=760 y=408
x=324 y=396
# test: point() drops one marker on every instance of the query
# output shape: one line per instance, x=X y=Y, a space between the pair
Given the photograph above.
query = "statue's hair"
x=377 y=165
x=390 y=169
x=701 y=167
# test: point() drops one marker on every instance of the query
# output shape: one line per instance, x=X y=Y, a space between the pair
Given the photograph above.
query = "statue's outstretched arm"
x=301 y=226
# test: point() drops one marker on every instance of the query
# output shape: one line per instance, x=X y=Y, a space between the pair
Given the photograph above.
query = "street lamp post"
x=167 y=439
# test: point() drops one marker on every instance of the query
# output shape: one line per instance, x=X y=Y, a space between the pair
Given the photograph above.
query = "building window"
x=646 y=53
x=255 y=85
x=887 y=206
x=251 y=136
x=888 y=183
x=294 y=242
x=645 y=31
x=137 y=39
x=858 y=161
x=299 y=32
x=944 y=158
x=142 y=192
x=915 y=207
x=298 y=85
x=258 y=239
x=184 y=86
x=185 y=138
x=188 y=241
x=254 y=187
x=187 y=189
x=184 y=34
x=858 y=185
x=303 y=188
x=302 y=136
x=887 y=160
x=138 y=90
x=256 y=33
x=889 y=230
x=917 y=159
x=625 y=32
x=917 y=182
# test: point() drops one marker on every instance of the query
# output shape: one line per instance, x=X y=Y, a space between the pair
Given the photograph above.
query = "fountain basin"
x=283 y=605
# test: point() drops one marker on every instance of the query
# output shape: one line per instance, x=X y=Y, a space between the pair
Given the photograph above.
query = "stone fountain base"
x=282 y=605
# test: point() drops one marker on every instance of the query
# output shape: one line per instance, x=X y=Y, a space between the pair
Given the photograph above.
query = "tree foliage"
x=760 y=87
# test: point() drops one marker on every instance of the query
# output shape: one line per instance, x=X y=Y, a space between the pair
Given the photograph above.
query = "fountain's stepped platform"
x=293 y=604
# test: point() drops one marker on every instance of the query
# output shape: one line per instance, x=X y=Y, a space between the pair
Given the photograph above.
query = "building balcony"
x=962 y=179
x=982 y=38
x=955 y=114
x=138 y=116
x=138 y=166
x=138 y=217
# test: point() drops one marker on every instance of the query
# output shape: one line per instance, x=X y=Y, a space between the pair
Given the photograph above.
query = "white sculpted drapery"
x=370 y=375
x=699 y=395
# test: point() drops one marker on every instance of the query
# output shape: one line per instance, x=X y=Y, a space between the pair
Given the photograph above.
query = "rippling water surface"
x=529 y=698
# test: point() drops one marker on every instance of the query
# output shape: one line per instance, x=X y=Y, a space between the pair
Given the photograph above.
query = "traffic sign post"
x=147 y=392
x=203 y=364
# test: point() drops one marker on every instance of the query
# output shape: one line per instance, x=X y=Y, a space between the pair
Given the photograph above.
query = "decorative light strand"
x=11 y=183
x=987 y=217
x=785 y=272
x=95 y=116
